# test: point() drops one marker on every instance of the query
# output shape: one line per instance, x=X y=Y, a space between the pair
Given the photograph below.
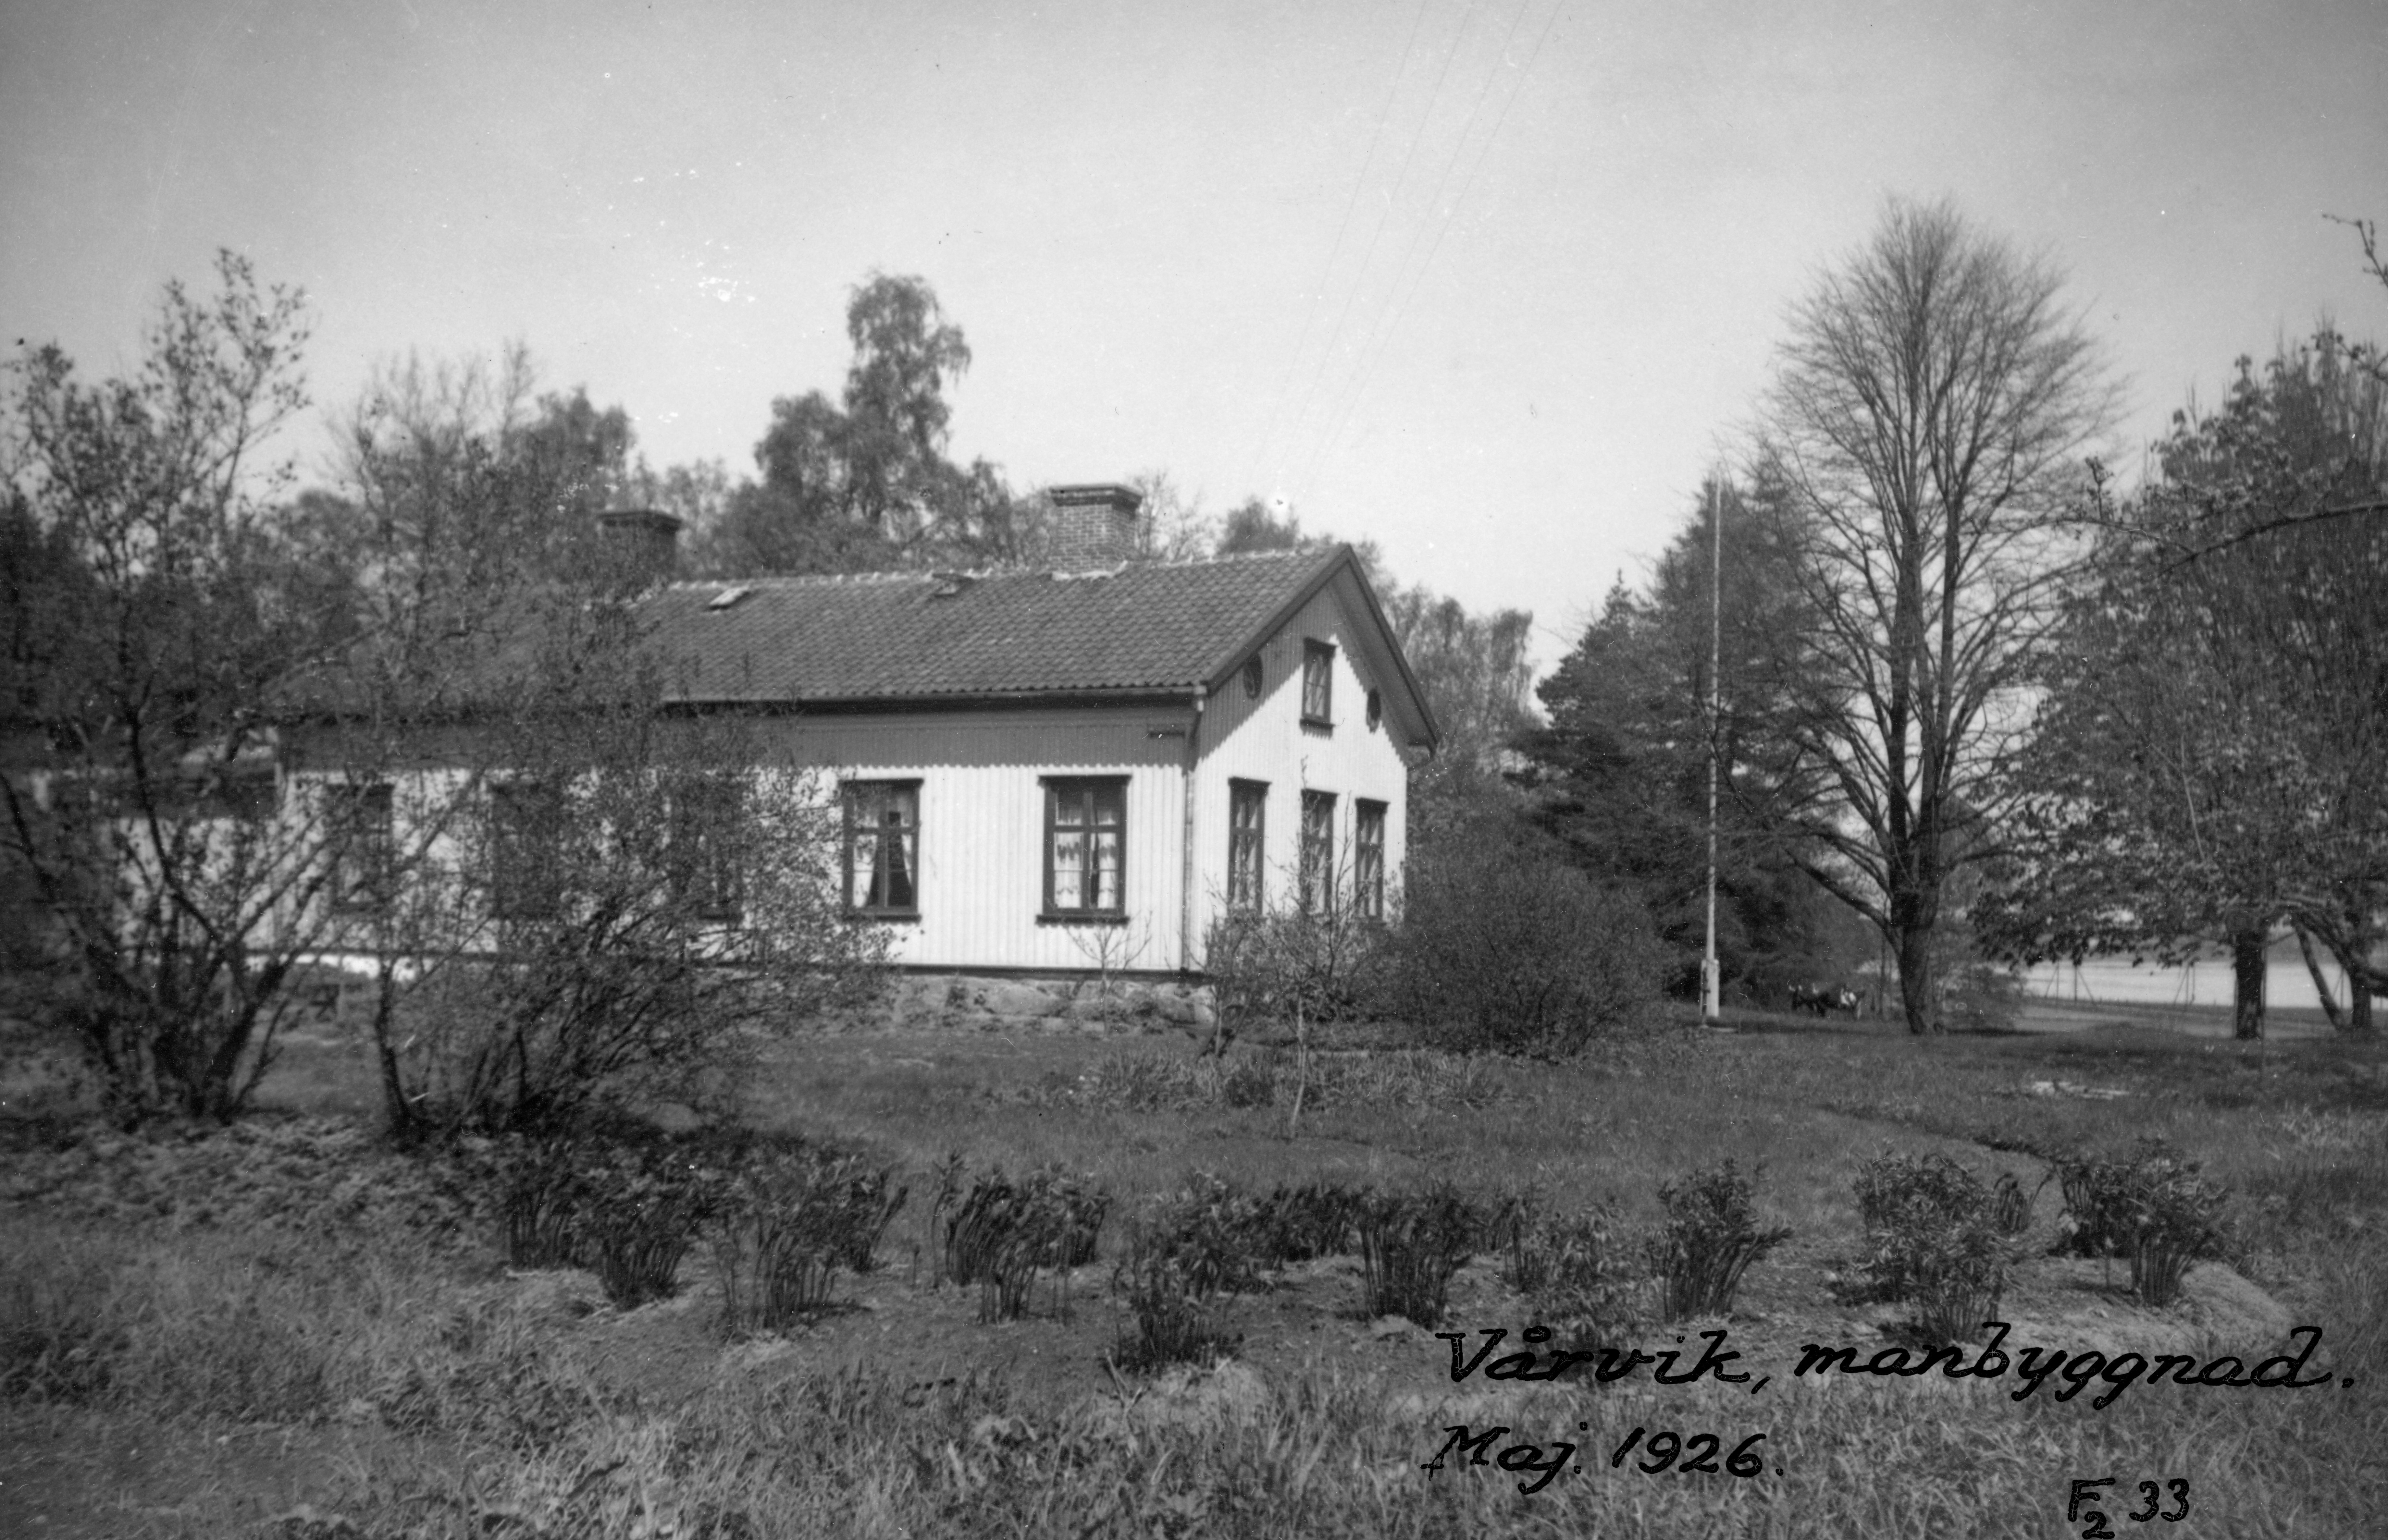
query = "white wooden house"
x=1041 y=773
x=1050 y=772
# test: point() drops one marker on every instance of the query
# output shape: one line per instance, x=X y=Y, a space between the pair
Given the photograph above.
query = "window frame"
x=1368 y=816
x=1092 y=789
x=1247 y=847
x=1317 y=683
x=508 y=851
x=1316 y=866
x=707 y=876
x=849 y=798
x=363 y=813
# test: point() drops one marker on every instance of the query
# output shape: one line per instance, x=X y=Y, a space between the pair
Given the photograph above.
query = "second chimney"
x=1094 y=526
x=639 y=545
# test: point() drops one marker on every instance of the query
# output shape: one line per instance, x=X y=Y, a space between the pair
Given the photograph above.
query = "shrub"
x=1411 y=1244
x=616 y=980
x=1902 y=1201
x=1709 y=1239
x=2010 y=1205
x=544 y=1204
x=796 y=1216
x=1936 y=1236
x=1314 y=1219
x=1292 y=966
x=1571 y=1270
x=1502 y=946
x=1980 y=997
x=1205 y=1240
x=1169 y=1299
x=2152 y=1207
x=1002 y=1233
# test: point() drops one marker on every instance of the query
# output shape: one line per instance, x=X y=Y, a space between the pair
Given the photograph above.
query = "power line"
x=1318 y=289
x=1408 y=156
x=1390 y=321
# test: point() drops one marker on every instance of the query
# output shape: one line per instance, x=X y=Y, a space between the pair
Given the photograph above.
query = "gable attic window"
x=1086 y=848
x=1252 y=677
x=1317 y=684
x=883 y=849
x=1375 y=710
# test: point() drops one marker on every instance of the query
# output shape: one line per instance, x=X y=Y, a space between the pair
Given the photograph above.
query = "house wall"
x=1264 y=738
x=981 y=826
x=982 y=801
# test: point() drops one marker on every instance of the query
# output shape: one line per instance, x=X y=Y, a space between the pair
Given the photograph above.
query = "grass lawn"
x=291 y=1331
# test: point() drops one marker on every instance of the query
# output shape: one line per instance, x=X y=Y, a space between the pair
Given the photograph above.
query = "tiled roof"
x=914 y=635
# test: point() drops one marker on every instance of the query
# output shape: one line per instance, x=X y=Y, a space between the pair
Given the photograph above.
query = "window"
x=1317 y=851
x=704 y=826
x=364 y=844
x=526 y=849
x=1317 y=684
x=1375 y=710
x=1247 y=827
x=1085 y=858
x=1369 y=859
x=883 y=847
x=1252 y=677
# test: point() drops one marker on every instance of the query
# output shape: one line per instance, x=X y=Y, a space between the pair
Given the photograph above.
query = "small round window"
x=1251 y=677
x=1375 y=709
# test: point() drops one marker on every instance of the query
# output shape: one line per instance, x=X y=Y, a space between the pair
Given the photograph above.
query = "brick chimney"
x=641 y=545
x=1094 y=526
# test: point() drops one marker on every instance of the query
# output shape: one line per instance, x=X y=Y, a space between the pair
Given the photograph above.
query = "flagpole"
x=1712 y=980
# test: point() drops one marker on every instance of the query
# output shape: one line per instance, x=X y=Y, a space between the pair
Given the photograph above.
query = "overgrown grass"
x=228 y=1319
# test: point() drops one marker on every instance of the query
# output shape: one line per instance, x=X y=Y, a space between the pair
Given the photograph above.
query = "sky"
x=1491 y=282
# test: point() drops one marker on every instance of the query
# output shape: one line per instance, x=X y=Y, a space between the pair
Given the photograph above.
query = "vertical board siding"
x=1263 y=740
x=982 y=855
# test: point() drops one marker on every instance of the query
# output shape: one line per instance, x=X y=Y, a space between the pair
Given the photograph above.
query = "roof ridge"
x=997 y=574
x=802 y=579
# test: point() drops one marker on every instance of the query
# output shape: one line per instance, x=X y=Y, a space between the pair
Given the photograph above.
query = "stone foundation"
x=972 y=1003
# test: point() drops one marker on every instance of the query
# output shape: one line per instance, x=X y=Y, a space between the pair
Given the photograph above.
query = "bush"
x=1709 y=1239
x=619 y=977
x=1207 y=1239
x=1002 y=1234
x=2152 y=1207
x=1570 y=1269
x=1936 y=1236
x=2010 y=1205
x=1980 y=997
x=795 y=1217
x=1314 y=1219
x=1411 y=1244
x=544 y=1205
x=1502 y=946
x=1171 y=1301
x=1293 y=966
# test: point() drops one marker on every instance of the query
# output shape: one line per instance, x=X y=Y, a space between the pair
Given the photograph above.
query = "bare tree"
x=169 y=602
x=1930 y=418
